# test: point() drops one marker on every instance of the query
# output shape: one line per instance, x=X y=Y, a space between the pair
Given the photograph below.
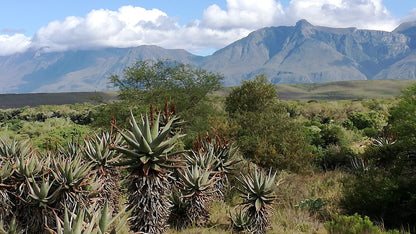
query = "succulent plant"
x=6 y=204
x=241 y=221
x=198 y=193
x=10 y=150
x=10 y=228
x=98 y=150
x=99 y=222
x=257 y=192
x=74 y=177
x=43 y=195
x=38 y=212
x=218 y=152
x=148 y=156
x=177 y=218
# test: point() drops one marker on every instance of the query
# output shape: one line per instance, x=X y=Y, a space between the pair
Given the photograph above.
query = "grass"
x=286 y=217
x=343 y=90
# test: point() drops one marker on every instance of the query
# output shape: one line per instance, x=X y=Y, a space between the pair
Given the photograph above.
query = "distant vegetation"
x=330 y=91
x=188 y=157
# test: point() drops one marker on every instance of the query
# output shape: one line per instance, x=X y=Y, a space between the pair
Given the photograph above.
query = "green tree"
x=403 y=116
x=267 y=134
x=149 y=81
x=252 y=96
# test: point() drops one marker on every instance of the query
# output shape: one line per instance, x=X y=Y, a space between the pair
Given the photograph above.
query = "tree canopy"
x=150 y=81
x=252 y=96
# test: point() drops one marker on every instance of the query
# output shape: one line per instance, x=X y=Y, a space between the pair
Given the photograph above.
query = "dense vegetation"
x=172 y=157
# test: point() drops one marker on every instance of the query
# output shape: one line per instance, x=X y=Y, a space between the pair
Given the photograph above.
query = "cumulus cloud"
x=129 y=26
x=134 y=26
x=13 y=44
x=363 y=14
x=246 y=14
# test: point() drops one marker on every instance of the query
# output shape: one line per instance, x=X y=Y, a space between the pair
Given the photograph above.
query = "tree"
x=252 y=96
x=149 y=81
x=266 y=133
x=402 y=116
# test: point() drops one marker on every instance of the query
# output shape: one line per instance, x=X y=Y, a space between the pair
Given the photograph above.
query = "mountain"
x=85 y=70
x=303 y=53
x=313 y=54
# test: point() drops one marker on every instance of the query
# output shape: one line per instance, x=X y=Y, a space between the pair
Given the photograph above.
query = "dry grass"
x=286 y=218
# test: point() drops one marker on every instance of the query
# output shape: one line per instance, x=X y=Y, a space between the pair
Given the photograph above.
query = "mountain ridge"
x=303 y=53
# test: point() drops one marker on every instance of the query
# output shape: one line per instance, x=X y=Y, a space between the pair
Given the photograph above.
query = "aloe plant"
x=99 y=222
x=198 y=193
x=257 y=192
x=241 y=221
x=6 y=204
x=100 y=154
x=38 y=212
x=148 y=157
x=10 y=150
x=74 y=178
x=10 y=228
x=177 y=218
x=218 y=152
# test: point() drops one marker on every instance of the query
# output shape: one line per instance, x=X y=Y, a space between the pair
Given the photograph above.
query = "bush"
x=384 y=195
x=353 y=225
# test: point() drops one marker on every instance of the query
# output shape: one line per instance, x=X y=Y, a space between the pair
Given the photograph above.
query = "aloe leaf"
x=155 y=128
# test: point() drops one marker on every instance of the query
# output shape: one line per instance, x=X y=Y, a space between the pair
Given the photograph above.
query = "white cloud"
x=363 y=14
x=129 y=26
x=134 y=26
x=246 y=14
x=13 y=44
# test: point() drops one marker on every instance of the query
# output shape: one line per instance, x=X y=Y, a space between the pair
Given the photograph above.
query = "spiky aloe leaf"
x=241 y=221
x=6 y=171
x=98 y=150
x=70 y=173
x=42 y=196
x=148 y=147
x=11 y=228
x=257 y=192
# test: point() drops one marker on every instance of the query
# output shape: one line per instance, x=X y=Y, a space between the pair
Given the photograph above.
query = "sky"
x=199 y=26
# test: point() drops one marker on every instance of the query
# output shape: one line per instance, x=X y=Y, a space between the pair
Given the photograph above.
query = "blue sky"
x=198 y=26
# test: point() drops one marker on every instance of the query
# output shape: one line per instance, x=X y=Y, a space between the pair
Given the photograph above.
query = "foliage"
x=385 y=190
x=402 y=116
x=383 y=195
x=353 y=225
x=312 y=205
x=266 y=134
x=273 y=139
x=252 y=96
x=149 y=81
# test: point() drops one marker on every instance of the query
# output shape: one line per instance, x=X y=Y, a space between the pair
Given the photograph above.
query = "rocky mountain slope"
x=303 y=53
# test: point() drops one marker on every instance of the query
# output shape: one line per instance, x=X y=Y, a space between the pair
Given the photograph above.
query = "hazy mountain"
x=311 y=54
x=303 y=53
x=75 y=70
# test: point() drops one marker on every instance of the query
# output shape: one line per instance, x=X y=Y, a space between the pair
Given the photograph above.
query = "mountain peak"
x=303 y=23
x=405 y=26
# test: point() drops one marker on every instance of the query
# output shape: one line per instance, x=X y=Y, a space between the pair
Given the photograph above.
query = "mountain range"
x=302 y=53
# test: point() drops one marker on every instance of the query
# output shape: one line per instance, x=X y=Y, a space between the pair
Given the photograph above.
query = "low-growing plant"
x=353 y=225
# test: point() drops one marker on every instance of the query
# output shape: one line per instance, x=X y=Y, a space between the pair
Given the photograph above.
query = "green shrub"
x=383 y=194
x=353 y=225
x=313 y=206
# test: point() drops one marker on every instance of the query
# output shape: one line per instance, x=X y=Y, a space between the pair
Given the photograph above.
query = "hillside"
x=302 y=53
x=343 y=90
